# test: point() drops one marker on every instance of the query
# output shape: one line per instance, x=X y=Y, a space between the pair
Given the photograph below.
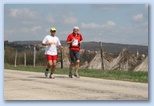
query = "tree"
x=9 y=54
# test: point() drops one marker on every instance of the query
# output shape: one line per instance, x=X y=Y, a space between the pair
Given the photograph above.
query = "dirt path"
x=21 y=85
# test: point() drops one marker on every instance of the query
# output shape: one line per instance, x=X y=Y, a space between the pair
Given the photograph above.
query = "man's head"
x=53 y=31
x=76 y=30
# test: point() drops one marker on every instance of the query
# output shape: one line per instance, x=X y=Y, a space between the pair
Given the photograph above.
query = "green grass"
x=106 y=74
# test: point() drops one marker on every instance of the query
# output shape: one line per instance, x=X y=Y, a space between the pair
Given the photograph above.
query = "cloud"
x=27 y=22
x=33 y=29
x=108 y=24
x=50 y=19
x=23 y=12
x=110 y=6
x=90 y=25
x=70 y=19
x=138 y=17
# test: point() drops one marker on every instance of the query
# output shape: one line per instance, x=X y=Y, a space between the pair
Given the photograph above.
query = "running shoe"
x=76 y=75
x=52 y=76
x=70 y=75
x=46 y=72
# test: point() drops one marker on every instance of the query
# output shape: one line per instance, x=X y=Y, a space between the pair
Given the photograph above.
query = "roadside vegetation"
x=104 y=74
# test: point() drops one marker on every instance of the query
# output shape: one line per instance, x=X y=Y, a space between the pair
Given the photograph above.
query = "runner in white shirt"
x=51 y=42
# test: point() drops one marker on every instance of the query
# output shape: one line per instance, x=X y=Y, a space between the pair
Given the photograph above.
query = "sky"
x=111 y=23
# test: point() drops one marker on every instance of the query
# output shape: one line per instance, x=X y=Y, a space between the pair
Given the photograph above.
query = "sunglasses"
x=53 y=31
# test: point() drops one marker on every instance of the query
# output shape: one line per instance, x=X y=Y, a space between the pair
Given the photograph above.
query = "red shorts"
x=50 y=57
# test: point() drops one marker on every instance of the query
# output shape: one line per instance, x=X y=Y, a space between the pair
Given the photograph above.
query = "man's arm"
x=46 y=44
x=80 y=41
x=60 y=46
x=69 y=42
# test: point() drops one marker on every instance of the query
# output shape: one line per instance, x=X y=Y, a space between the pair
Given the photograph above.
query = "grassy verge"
x=106 y=74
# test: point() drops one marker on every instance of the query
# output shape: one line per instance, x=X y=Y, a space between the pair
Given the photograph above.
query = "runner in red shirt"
x=74 y=40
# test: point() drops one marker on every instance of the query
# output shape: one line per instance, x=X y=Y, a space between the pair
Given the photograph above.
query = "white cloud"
x=70 y=19
x=31 y=29
x=138 y=17
x=24 y=12
x=90 y=25
x=108 y=24
x=64 y=32
x=27 y=22
x=110 y=6
x=35 y=28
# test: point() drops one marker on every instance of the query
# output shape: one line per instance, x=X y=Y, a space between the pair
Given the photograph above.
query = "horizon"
x=83 y=41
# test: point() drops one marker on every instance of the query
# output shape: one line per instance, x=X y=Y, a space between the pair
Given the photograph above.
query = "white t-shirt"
x=52 y=49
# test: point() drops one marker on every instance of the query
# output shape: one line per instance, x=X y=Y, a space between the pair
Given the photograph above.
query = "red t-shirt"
x=75 y=45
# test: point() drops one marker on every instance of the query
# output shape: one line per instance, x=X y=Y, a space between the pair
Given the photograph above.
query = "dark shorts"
x=74 y=56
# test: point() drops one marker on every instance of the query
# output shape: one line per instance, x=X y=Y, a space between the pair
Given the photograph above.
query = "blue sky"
x=114 y=23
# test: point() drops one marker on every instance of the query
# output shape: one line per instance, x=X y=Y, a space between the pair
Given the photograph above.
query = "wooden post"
x=34 y=59
x=101 y=50
x=61 y=57
x=15 y=60
x=24 y=58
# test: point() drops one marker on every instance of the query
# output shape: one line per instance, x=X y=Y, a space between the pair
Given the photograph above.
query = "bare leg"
x=77 y=68
x=48 y=65
x=53 y=67
x=71 y=67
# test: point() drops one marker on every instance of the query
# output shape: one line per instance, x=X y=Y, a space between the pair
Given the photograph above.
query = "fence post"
x=34 y=59
x=101 y=50
x=24 y=58
x=15 y=60
x=61 y=58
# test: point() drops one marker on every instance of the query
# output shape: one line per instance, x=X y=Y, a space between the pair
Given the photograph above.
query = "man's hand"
x=80 y=42
x=52 y=43
x=61 y=47
x=46 y=44
x=72 y=40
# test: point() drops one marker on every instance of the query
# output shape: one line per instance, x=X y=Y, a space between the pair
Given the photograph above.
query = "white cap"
x=76 y=27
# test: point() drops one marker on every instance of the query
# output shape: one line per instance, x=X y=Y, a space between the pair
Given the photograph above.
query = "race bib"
x=75 y=43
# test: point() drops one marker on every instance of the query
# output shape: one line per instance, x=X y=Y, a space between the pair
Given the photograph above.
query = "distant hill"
x=109 y=47
x=115 y=48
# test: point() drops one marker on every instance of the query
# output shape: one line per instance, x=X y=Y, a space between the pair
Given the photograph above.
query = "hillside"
x=115 y=48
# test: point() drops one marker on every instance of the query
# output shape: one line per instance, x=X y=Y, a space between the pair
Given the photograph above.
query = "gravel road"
x=22 y=85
